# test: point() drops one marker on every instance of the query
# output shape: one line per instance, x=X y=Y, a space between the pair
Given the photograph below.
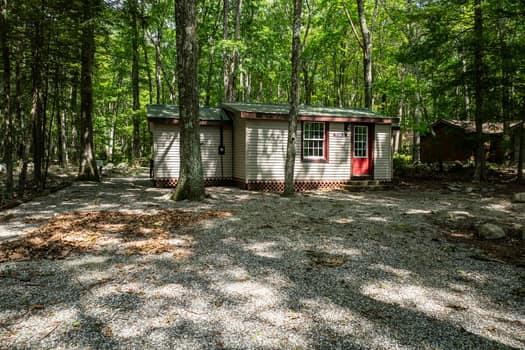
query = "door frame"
x=371 y=142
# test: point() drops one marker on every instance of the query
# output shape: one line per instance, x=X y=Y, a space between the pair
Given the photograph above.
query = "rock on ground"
x=519 y=197
x=491 y=231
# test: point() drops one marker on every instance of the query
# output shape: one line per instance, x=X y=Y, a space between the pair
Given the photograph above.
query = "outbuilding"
x=216 y=145
x=455 y=140
x=335 y=146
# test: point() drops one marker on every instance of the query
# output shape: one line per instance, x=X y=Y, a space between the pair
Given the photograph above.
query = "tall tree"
x=226 y=57
x=88 y=166
x=190 y=184
x=37 y=95
x=367 y=54
x=365 y=43
x=521 y=150
x=479 y=81
x=133 y=10
x=289 y=187
x=6 y=97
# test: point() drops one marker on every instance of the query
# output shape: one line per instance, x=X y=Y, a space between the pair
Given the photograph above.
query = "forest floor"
x=118 y=265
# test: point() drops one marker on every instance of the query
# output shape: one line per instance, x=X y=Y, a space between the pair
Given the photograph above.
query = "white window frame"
x=306 y=140
x=361 y=140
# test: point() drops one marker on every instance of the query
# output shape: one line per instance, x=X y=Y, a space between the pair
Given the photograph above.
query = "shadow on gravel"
x=320 y=271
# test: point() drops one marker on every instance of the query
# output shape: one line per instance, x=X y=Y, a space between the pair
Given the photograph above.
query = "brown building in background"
x=455 y=140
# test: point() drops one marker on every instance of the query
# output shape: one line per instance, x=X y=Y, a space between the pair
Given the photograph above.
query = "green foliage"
x=422 y=59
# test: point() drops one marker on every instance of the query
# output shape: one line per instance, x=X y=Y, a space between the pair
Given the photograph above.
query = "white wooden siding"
x=166 y=146
x=211 y=160
x=239 y=149
x=382 y=153
x=266 y=153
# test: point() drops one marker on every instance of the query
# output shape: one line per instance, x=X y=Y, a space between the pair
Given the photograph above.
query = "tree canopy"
x=422 y=53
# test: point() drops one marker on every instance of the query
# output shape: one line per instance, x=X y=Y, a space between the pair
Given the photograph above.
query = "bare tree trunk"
x=235 y=54
x=367 y=54
x=23 y=144
x=6 y=98
x=190 y=184
x=289 y=187
x=506 y=74
x=88 y=166
x=158 y=64
x=146 y=62
x=37 y=110
x=209 y=77
x=61 y=135
x=135 y=78
x=521 y=151
x=227 y=56
x=479 y=173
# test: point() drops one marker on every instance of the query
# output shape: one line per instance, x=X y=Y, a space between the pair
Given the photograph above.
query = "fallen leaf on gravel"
x=107 y=331
x=123 y=233
x=325 y=259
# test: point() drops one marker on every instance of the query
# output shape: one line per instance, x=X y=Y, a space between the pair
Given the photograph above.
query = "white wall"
x=266 y=153
x=166 y=146
x=382 y=153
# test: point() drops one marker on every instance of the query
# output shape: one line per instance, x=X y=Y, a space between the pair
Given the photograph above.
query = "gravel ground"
x=324 y=270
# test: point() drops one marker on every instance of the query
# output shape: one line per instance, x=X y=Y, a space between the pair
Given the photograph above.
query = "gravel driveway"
x=324 y=270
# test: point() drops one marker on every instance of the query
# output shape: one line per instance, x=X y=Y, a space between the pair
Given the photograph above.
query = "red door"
x=361 y=160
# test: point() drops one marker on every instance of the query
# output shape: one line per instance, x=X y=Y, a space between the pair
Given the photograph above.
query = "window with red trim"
x=314 y=141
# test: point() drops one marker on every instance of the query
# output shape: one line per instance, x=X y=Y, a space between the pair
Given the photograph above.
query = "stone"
x=491 y=231
x=109 y=166
x=454 y=188
x=519 y=197
x=3 y=168
x=122 y=166
x=455 y=219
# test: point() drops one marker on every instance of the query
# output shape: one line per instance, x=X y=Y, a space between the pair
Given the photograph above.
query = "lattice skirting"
x=262 y=185
x=278 y=186
x=208 y=182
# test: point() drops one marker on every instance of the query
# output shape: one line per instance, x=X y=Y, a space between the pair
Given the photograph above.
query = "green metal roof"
x=303 y=110
x=172 y=112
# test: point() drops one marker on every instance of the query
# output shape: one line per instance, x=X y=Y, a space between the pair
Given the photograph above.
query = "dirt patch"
x=509 y=250
x=323 y=259
x=121 y=233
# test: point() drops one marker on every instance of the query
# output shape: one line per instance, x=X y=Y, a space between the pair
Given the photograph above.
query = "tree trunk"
x=226 y=56
x=74 y=118
x=367 y=54
x=479 y=173
x=37 y=109
x=190 y=184
x=135 y=79
x=209 y=77
x=6 y=99
x=235 y=54
x=521 y=151
x=146 y=62
x=158 y=65
x=289 y=187
x=24 y=133
x=88 y=166
x=61 y=134
x=506 y=108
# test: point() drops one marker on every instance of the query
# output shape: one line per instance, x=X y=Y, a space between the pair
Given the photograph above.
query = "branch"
x=354 y=30
x=307 y=31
